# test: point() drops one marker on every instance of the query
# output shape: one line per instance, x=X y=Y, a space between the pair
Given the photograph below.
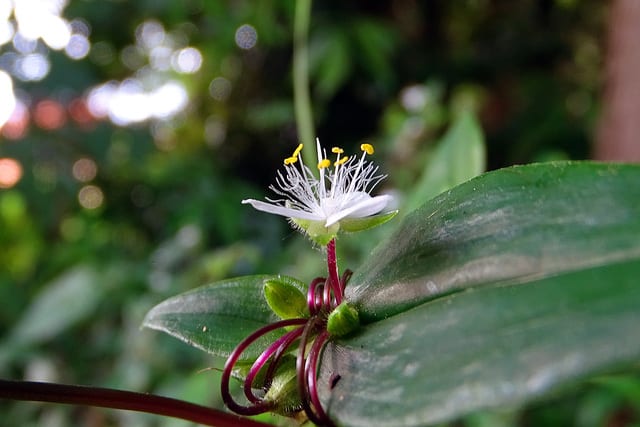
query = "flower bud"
x=285 y=296
x=343 y=320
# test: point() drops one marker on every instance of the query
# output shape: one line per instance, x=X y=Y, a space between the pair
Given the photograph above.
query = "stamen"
x=367 y=148
x=337 y=150
x=290 y=160
x=341 y=161
x=297 y=150
x=325 y=163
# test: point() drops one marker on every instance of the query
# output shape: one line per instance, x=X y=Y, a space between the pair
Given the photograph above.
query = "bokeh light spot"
x=78 y=46
x=32 y=67
x=49 y=114
x=79 y=112
x=220 y=88
x=102 y=53
x=90 y=197
x=57 y=32
x=24 y=45
x=168 y=100
x=84 y=169
x=160 y=58
x=413 y=98
x=150 y=34
x=187 y=60
x=10 y=172
x=246 y=36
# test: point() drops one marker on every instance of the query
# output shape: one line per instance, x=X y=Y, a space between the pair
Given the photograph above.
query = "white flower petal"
x=281 y=210
x=364 y=208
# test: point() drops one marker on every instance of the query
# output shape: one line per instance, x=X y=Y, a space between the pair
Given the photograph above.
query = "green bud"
x=283 y=392
x=286 y=297
x=343 y=320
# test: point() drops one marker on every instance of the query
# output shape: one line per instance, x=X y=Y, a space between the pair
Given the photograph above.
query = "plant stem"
x=301 y=97
x=254 y=408
x=119 y=399
x=332 y=266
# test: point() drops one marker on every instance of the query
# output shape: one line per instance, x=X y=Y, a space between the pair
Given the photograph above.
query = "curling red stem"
x=233 y=359
x=311 y=368
x=119 y=399
x=301 y=364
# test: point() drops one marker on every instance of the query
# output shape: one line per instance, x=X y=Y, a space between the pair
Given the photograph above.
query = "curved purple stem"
x=260 y=362
x=312 y=301
x=326 y=297
x=281 y=351
x=301 y=363
x=311 y=368
x=260 y=407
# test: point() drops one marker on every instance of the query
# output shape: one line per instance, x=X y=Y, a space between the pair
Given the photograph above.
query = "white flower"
x=341 y=192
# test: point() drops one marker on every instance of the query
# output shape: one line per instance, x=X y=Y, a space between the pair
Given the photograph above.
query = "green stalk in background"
x=302 y=99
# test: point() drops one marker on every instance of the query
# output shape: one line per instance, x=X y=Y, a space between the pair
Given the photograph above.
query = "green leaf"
x=216 y=317
x=521 y=222
x=62 y=303
x=460 y=155
x=506 y=288
x=500 y=345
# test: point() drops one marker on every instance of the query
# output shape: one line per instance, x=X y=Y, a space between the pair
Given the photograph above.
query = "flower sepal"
x=352 y=225
x=283 y=393
x=320 y=234
x=316 y=230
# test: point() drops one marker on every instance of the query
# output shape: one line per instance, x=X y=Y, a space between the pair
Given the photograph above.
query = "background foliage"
x=119 y=209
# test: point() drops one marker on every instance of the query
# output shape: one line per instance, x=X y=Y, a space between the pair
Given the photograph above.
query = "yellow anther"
x=337 y=150
x=297 y=150
x=290 y=160
x=341 y=161
x=324 y=163
x=367 y=148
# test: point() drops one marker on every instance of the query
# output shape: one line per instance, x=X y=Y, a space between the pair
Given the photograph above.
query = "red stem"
x=119 y=399
x=233 y=358
x=311 y=368
x=332 y=265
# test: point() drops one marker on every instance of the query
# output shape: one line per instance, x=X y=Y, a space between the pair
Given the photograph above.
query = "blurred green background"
x=132 y=130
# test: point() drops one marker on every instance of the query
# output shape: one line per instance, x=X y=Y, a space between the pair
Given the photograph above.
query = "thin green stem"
x=301 y=96
x=119 y=399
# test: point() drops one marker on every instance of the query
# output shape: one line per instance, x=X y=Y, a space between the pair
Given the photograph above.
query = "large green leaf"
x=485 y=347
x=497 y=292
x=216 y=317
x=521 y=222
